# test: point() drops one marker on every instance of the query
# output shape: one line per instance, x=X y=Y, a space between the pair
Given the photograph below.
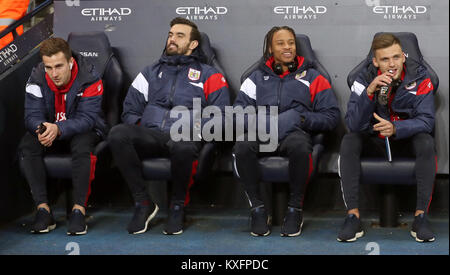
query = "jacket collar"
x=86 y=72
x=174 y=60
x=266 y=65
x=412 y=71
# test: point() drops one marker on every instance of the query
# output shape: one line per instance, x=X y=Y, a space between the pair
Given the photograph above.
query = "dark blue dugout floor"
x=219 y=232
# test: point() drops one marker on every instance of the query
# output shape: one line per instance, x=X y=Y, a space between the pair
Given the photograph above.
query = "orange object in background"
x=11 y=11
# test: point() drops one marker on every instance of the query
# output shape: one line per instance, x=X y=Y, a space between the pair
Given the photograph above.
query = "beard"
x=177 y=50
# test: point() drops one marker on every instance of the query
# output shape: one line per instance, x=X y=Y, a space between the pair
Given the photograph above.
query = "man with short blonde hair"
x=389 y=101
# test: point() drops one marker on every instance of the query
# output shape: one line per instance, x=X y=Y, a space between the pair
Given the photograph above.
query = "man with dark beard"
x=175 y=80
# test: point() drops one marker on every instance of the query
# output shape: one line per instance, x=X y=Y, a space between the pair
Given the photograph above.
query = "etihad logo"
x=202 y=13
x=400 y=12
x=106 y=14
x=8 y=54
x=300 y=12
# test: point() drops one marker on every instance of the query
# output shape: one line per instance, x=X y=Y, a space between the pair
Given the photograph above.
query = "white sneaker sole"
x=357 y=236
x=293 y=234
x=174 y=233
x=152 y=215
x=269 y=222
x=48 y=229
x=414 y=235
x=260 y=235
x=78 y=233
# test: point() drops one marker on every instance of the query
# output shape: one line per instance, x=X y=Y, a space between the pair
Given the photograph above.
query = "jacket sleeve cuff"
x=61 y=128
x=399 y=133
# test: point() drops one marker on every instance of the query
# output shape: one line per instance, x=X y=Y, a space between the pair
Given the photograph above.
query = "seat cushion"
x=59 y=166
x=276 y=168
x=156 y=169
x=380 y=171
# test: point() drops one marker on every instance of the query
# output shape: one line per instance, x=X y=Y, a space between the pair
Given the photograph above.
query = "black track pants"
x=80 y=146
x=130 y=144
x=297 y=146
x=355 y=145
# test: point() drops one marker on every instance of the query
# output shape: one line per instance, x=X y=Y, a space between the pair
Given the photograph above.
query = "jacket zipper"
x=279 y=93
x=74 y=103
x=172 y=91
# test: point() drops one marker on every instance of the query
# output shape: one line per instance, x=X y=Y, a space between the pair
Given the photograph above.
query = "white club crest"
x=194 y=74
x=300 y=75
x=411 y=85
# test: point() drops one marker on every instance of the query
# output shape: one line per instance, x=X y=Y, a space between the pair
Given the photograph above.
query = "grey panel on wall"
x=340 y=32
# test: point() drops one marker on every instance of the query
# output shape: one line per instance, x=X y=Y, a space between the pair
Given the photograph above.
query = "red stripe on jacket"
x=214 y=83
x=95 y=89
x=318 y=85
x=425 y=87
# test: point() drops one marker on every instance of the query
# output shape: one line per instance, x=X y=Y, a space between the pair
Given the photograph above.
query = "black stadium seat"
x=400 y=170
x=275 y=169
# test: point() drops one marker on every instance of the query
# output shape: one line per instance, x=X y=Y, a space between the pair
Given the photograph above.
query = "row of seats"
x=96 y=47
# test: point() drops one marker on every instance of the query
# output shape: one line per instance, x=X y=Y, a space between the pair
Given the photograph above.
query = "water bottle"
x=384 y=92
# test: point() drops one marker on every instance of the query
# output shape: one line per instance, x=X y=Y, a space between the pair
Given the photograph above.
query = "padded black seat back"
x=209 y=56
x=95 y=47
x=209 y=53
x=410 y=47
x=303 y=49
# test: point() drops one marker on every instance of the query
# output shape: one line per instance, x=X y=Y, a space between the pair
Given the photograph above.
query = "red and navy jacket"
x=410 y=108
x=173 y=81
x=83 y=102
x=305 y=98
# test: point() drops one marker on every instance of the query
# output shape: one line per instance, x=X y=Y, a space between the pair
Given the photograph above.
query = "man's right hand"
x=382 y=80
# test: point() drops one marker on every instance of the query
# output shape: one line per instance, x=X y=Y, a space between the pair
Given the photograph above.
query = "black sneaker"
x=351 y=230
x=143 y=214
x=175 y=219
x=77 y=223
x=421 y=229
x=43 y=222
x=293 y=222
x=260 y=221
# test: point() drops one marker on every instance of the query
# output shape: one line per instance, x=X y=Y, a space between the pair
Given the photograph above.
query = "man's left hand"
x=385 y=127
x=49 y=135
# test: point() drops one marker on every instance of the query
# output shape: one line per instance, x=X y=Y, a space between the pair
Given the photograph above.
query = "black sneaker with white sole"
x=293 y=222
x=421 y=229
x=351 y=230
x=43 y=222
x=143 y=214
x=175 y=220
x=77 y=223
x=260 y=221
